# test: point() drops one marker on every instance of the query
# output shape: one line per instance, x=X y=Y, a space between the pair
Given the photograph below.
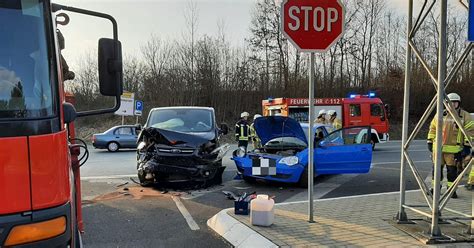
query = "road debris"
x=120 y=185
x=133 y=180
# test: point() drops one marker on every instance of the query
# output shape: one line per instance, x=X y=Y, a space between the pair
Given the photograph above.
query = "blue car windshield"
x=25 y=83
x=182 y=120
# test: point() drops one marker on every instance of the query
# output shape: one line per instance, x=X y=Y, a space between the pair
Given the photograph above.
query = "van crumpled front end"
x=169 y=156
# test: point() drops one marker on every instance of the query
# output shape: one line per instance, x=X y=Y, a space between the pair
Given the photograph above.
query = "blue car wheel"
x=303 y=182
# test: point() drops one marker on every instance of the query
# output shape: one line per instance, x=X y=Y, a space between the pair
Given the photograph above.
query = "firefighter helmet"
x=244 y=114
x=256 y=116
x=453 y=97
x=331 y=112
x=322 y=112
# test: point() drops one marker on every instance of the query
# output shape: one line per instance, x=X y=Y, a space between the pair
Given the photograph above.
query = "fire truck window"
x=376 y=110
x=355 y=110
x=25 y=81
x=299 y=114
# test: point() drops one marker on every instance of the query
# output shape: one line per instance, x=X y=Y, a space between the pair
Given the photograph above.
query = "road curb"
x=235 y=232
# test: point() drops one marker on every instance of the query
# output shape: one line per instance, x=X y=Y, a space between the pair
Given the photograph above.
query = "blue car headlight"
x=290 y=161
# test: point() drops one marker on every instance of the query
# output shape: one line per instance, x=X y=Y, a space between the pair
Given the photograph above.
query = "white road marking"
x=347 y=197
x=398 y=162
x=399 y=147
x=422 y=150
x=108 y=177
x=187 y=216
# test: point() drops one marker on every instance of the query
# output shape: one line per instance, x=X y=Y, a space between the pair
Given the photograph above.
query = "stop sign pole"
x=312 y=26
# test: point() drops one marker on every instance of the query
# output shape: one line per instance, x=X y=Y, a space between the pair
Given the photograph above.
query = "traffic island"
x=360 y=221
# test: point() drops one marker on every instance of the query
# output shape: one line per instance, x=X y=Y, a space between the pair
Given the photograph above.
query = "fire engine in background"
x=40 y=204
x=357 y=110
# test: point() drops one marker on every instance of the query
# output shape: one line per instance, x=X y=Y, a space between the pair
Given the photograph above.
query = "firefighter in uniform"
x=242 y=130
x=321 y=117
x=253 y=134
x=453 y=139
x=334 y=121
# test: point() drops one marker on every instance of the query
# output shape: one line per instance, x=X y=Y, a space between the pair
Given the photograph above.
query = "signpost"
x=470 y=35
x=312 y=26
x=126 y=105
x=138 y=109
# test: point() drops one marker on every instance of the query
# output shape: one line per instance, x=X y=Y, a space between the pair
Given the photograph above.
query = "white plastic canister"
x=261 y=211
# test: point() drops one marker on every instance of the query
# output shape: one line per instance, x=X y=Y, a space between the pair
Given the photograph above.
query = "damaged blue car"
x=283 y=156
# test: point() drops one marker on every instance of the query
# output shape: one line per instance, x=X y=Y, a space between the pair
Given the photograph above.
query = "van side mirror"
x=224 y=129
x=110 y=67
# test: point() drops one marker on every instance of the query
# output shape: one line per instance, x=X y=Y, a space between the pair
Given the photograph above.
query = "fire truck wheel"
x=113 y=146
x=78 y=239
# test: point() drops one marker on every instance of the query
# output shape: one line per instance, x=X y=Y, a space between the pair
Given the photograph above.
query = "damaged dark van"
x=180 y=144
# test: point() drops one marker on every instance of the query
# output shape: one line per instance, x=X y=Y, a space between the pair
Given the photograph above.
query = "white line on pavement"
x=108 y=177
x=422 y=150
x=187 y=216
x=385 y=147
x=398 y=162
x=347 y=197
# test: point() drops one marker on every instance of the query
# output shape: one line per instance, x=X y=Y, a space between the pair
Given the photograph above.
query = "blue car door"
x=344 y=151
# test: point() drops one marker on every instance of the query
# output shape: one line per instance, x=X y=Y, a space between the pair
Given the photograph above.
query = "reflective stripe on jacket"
x=242 y=131
x=336 y=124
x=453 y=139
x=254 y=136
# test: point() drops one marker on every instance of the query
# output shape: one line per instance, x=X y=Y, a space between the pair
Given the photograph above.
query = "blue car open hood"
x=272 y=127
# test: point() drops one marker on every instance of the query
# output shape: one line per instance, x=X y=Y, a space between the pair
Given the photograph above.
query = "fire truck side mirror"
x=110 y=67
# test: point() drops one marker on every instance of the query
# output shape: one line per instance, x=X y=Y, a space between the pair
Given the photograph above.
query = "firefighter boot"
x=455 y=195
x=452 y=175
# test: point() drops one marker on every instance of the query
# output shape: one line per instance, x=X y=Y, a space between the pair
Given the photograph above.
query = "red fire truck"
x=356 y=110
x=40 y=204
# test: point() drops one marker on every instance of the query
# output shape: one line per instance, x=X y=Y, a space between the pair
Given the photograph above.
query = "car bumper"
x=7 y=222
x=99 y=145
x=284 y=173
x=174 y=173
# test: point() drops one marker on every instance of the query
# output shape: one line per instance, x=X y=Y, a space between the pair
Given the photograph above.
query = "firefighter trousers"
x=447 y=159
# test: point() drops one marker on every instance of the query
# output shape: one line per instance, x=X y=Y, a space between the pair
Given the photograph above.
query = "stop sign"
x=312 y=25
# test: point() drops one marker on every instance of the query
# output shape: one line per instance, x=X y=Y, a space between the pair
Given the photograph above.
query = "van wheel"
x=113 y=146
x=303 y=182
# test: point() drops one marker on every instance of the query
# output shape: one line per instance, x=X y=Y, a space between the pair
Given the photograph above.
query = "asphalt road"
x=118 y=214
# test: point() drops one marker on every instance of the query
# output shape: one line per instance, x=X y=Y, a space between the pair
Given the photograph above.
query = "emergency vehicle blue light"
x=371 y=94
x=352 y=96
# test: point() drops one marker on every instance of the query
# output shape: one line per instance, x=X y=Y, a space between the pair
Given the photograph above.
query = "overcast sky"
x=139 y=19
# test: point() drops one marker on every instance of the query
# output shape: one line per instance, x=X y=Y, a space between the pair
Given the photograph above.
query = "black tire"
x=113 y=146
x=218 y=178
x=303 y=182
x=143 y=181
x=249 y=179
x=78 y=239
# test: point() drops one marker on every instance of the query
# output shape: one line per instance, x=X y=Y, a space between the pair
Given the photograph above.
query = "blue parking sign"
x=138 y=107
x=470 y=35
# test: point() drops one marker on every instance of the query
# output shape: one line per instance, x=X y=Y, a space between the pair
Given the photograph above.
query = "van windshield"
x=182 y=120
x=25 y=80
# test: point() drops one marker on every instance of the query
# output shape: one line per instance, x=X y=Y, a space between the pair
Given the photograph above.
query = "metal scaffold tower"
x=435 y=202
